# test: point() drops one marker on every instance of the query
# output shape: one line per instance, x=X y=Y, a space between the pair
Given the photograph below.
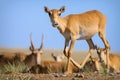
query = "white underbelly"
x=81 y=36
x=87 y=33
x=84 y=36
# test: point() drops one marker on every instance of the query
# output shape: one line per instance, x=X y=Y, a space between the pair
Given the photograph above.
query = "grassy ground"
x=14 y=69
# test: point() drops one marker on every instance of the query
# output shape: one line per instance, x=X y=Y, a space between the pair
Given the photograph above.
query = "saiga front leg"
x=66 y=47
x=68 y=55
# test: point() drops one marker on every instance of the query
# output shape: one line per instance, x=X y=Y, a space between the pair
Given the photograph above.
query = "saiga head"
x=101 y=54
x=54 y=15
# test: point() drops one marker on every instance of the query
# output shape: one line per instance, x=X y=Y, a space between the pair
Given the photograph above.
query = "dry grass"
x=12 y=67
x=11 y=56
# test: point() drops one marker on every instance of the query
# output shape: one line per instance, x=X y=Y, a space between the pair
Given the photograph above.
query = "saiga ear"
x=46 y=9
x=97 y=48
x=62 y=9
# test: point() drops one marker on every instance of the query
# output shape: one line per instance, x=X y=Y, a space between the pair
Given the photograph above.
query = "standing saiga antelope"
x=79 y=27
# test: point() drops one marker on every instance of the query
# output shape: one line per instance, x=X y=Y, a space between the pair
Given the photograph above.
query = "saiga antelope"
x=34 y=59
x=114 y=60
x=79 y=27
x=57 y=58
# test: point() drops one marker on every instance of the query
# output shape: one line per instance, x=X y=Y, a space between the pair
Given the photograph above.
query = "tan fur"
x=12 y=56
x=79 y=27
x=114 y=60
x=52 y=67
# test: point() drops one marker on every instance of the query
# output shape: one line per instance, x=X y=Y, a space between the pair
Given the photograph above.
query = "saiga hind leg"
x=91 y=50
x=107 y=47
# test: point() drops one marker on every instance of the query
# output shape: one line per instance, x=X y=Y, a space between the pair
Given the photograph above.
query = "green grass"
x=12 y=70
x=13 y=67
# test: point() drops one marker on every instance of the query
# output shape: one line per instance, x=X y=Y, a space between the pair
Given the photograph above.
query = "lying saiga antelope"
x=114 y=60
x=79 y=27
x=34 y=59
x=57 y=58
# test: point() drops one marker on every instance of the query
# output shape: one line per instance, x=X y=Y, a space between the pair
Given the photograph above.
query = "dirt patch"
x=87 y=76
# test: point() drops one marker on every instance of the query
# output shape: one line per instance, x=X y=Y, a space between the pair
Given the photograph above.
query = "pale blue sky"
x=18 y=18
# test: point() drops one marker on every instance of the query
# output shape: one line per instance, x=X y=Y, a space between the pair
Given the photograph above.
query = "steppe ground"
x=46 y=56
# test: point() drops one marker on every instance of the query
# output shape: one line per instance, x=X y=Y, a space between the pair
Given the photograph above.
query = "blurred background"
x=18 y=18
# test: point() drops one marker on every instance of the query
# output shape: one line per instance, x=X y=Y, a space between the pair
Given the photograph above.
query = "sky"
x=19 y=18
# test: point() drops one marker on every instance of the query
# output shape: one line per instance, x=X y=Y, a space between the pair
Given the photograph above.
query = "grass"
x=9 y=70
x=13 y=67
x=18 y=67
x=13 y=70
